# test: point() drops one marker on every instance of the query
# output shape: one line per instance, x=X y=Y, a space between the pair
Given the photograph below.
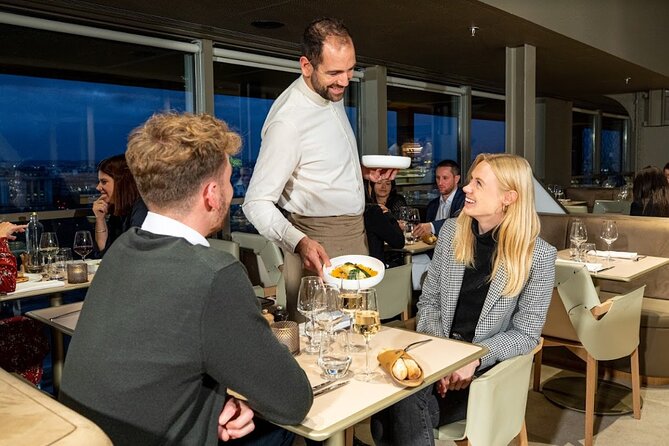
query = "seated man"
x=449 y=203
x=169 y=325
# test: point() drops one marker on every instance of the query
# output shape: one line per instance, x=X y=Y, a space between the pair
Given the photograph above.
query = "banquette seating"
x=644 y=235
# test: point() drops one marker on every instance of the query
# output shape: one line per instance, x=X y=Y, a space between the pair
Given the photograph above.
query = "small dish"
x=386 y=161
x=361 y=284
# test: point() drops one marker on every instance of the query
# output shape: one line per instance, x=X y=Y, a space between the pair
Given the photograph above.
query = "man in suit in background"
x=449 y=203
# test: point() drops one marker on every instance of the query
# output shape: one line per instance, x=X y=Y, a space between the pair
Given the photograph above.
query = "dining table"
x=335 y=411
x=613 y=398
x=410 y=250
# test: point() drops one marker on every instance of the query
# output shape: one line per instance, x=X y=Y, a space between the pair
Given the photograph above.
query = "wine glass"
x=412 y=219
x=334 y=358
x=48 y=245
x=310 y=302
x=350 y=300
x=367 y=323
x=578 y=235
x=332 y=313
x=609 y=234
x=83 y=243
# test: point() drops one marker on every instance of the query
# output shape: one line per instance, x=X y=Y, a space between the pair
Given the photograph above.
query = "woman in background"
x=385 y=193
x=119 y=206
x=650 y=192
x=491 y=256
x=381 y=227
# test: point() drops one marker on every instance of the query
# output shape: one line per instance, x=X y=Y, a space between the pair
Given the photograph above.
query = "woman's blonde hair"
x=520 y=225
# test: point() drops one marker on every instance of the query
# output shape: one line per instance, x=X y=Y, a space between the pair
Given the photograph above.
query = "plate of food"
x=354 y=272
x=26 y=277
x=386 y=161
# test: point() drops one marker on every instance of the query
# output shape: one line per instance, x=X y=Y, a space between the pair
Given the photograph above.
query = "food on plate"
x=413 y=371
x=21 y=279
x=406 y=368
x=353 y=271
x=400 y=369
x=430 y=239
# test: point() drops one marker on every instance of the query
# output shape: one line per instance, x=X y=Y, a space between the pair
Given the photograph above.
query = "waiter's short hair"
x=172 y=154
x=455 y=167
x=315 y=34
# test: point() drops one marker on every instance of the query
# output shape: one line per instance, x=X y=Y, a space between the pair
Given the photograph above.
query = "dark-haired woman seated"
x=651 y=193
x=381 y=228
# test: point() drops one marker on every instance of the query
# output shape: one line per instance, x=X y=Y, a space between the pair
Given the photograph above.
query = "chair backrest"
x=576 y=209
x=611 y=206
x=225 y=245
x=268 y=255
x=394 y=291
x=497 y=402
x=614 y=335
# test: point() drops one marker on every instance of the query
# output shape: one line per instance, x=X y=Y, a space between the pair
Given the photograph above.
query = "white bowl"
x=362 y=284
x=386 y=161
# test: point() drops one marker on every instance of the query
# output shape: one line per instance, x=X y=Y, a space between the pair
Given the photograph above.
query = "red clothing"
x=7 y=268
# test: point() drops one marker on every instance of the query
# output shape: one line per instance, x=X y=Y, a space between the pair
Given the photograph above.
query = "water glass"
x=58 y=267
x=588 y=252
x=334 y=358
x=578 y=234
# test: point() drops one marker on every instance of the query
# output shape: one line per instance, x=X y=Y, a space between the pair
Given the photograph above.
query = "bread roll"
x=413 y=371
x=399 y=369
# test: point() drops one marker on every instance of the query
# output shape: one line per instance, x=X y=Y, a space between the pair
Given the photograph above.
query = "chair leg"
x=464 y=442
x=590 y=389
x=348 y=434
x=536 y=382
x=522 y=436
x=636 y=383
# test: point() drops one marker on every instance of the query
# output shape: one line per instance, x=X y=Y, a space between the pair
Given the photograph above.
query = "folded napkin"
x=31 y=286
x=617 y=254
x=592 y=267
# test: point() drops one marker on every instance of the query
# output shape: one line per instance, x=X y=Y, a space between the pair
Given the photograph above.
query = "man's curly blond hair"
x=172 y=154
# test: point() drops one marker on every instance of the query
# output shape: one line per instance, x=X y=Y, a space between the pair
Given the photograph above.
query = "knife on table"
x=328 y=386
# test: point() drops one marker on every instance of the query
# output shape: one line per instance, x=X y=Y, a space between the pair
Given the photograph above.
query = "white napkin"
x=592 y=267
x=617 y=254
x=30 y=286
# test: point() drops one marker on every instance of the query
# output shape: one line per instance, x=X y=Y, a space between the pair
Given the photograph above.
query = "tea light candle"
x=77 y=272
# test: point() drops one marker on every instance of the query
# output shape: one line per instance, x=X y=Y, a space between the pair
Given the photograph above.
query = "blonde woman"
x=490 y=283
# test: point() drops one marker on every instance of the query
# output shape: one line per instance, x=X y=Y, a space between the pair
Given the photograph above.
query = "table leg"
x=338 y=439
x=57 y=349
x=407 y=258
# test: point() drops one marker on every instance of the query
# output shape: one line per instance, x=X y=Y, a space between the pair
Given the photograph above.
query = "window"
x=425 y=126
x=243 y=97
x=488 y=126
x=613 y=140
x=70 y=101
x=582 y=146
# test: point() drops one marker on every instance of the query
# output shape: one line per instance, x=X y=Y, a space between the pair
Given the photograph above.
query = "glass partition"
x=488 y=125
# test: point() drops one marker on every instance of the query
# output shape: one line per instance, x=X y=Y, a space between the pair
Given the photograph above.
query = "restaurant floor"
x=550 y=425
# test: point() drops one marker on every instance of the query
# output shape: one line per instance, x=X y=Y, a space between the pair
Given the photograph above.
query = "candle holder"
x=77 y=272
x=288 y=333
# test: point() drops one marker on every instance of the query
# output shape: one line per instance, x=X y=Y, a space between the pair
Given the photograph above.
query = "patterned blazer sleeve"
x=513 y=326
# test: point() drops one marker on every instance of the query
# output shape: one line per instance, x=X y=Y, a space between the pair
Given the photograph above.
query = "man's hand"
x=422 y=229
x=235 y=420
x=377 y=175
x=313 y=255
x=457 y=380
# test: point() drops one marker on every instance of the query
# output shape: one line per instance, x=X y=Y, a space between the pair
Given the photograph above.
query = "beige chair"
x=225 y=245
x=611 y=207
x=394 y=292
x=496 y=407
x=578 y=209
x=268 y=255
x=604 y=331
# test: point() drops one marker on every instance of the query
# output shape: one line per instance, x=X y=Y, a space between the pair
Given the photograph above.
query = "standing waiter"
x=308 y=163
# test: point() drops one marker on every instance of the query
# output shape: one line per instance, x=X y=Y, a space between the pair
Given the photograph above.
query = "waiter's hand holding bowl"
x=354 y=272
x=313 y=255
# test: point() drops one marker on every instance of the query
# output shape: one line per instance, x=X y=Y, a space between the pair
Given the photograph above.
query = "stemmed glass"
x=350 y=300
x=412 y=219
x=310 y=302
x=83 y=243
x=332 y=313
x=609 y=234
x=578 y=235
x=367 y=323
x=48 y=244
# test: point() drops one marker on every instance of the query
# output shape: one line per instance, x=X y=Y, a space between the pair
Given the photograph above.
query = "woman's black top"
x=394 y=203
x=381 y=227
x=475 y=286
x=118 y=224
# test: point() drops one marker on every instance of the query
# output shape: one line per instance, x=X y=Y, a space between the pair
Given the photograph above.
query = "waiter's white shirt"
x=161 y=225
x=308 y=164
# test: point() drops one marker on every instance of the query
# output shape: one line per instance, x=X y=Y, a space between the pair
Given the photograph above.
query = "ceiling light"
x=473 y=30
x=628 y=80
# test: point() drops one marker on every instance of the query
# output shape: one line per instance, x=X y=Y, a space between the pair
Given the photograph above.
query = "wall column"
x=373 y=111
x=520 y=102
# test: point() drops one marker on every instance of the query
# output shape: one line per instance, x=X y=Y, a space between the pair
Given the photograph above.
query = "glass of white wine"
x=367 y=323
x=350 y=299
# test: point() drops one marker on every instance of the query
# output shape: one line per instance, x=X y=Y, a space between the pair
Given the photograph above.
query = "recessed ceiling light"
x=473 y=30
x=267 y=24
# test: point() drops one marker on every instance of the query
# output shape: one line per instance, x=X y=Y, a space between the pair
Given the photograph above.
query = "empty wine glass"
x=83 y=243
x=578 y=235
x=367 y=323
x=48 y=245
x=412 y=219
x=609 y=234
x=310 y=302
x=332 y=313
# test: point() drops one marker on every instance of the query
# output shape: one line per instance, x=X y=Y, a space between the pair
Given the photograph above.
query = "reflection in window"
x=487 y=130
x=243 y=98
x=613 y=130
x=69 y=105
x=425 y=126
x=582 y=145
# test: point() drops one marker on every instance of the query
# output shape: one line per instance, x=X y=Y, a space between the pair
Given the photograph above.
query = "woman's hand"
x=7 y=230
x=457 y=380
x=100 y=208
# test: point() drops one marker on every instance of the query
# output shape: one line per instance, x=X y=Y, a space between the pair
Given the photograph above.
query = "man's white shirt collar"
x=162 y=225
